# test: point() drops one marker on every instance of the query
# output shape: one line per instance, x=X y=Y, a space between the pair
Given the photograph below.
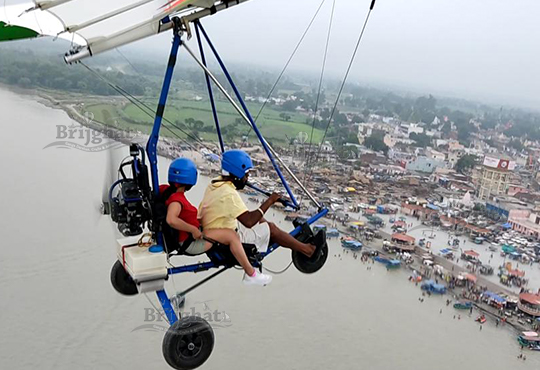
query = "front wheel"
x=188 y=343
x=121 y=281
x=310 y=265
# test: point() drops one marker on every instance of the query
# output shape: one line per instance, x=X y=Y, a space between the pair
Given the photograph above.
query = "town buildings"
x=495 y=177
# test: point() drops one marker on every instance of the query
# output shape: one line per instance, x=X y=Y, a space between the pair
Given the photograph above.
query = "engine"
x=131 y=207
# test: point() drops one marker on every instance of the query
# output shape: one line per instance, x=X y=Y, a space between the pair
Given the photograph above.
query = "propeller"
x=114 y=156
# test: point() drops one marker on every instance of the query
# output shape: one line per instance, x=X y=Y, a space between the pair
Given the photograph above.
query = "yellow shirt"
x=220 y=207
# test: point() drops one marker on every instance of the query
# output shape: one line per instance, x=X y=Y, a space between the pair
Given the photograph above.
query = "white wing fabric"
x=95 y=25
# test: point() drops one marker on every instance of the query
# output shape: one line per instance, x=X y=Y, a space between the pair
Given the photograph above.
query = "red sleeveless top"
x=187 y=214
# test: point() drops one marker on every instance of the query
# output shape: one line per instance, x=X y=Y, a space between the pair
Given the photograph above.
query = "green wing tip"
x=9 y=33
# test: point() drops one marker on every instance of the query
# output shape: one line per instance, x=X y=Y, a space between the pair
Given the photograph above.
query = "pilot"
x=223 y=208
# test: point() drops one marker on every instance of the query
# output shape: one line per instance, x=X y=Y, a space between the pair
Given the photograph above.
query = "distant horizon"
x=142 y=55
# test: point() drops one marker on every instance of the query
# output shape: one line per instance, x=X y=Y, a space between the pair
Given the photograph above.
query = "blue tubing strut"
x=210 y=93
x=167 y=307
x=151 y=146
x=248 y=114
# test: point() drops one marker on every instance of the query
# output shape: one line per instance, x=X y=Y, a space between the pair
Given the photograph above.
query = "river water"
x=58 y=310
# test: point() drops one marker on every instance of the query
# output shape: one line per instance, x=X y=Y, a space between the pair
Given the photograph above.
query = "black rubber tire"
x=309 y=265
x=121 y=281
x=188 y=343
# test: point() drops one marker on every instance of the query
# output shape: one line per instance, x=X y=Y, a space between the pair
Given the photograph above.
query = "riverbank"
x=71 y=104
x=499 y=317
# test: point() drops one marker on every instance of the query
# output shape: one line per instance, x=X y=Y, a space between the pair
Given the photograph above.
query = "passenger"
x=182 y=216
x=223 y=208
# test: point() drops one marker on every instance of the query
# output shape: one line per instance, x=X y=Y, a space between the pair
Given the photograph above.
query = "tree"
x=516 y=144
x=347 y=152
x=24 y=82
x=290 y=105
x=198 y=125
x=465 y=162
x=426 y=104
x=284 y=116
x=190 y=122
x=376 y=143
x=446 y=128
x=340 y=118
x=421 y=140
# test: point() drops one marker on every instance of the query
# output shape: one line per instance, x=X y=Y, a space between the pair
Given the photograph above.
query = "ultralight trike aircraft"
x=133 y=201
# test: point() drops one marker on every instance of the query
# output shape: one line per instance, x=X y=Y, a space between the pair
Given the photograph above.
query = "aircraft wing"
x=94 y=26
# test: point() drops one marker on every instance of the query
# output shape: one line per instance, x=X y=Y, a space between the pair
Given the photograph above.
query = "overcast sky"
x=472 y=48
x=484 y=49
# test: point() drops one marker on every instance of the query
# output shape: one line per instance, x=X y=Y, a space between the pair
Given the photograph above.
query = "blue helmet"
x=236 y=162
x=183 y=171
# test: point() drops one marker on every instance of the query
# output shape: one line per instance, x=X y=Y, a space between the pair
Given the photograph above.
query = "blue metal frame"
x=167 y=306
x=210 y=93
x=198 y=26
x=151 y=149
x=151 y=146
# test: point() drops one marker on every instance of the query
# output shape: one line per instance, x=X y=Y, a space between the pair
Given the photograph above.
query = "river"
x=58 y=310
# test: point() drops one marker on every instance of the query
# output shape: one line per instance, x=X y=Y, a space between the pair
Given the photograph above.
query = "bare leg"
x=230 y=237
x=286 y=240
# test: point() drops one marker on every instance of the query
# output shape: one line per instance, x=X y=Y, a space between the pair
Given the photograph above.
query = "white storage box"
x=141 y=264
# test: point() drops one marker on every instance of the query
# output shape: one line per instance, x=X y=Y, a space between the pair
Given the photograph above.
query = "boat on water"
x=463 y=305
x=530 y=340
x=332 y=233
x=350 y=243
x=390 y=263
x=447 y=253
x=481 y=319
x=433 y=287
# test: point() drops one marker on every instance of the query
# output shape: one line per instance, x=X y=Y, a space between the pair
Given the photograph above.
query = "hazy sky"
x=485 y=49
x=472 y=48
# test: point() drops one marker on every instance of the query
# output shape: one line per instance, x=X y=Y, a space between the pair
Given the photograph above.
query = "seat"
x=219 y=254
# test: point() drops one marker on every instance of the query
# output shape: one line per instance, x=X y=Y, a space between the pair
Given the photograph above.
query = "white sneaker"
x=257 y=279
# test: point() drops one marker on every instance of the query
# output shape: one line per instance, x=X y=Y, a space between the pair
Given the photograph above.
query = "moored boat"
x=433 y=287
x=481 y=319
x=530 y=340
x=332 y=233
x=351 y=244
x=390 y=263
x=463 y=305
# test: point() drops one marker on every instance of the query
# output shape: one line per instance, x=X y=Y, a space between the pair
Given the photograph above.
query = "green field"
x=271 y=125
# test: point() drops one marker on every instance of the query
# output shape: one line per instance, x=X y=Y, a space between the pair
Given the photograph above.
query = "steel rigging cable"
x=146 y=109
x=286 y=65
x=308 y=161
x=351 y=62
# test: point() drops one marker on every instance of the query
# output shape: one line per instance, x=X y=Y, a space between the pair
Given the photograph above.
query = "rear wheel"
x=121 y=281
x=310 y=265
x=188 y=343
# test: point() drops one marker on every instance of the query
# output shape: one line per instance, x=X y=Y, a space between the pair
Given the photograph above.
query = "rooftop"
x=533 y=299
